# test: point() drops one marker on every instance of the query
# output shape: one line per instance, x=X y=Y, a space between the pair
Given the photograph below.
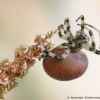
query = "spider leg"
x=83 y=26
x=66 y=53
x=97 y=52
x=92 y=38
x=88 y=47
x=90 y=32
x=62 y=57
x=92 y=48
x=66 y=48
x=82 y=22
x=67 y=24
x=46 y=53
x=68 y=36
x=42 y=55
x=60 y=31
x=61 y=35
x=94 y=29
x=65 y=29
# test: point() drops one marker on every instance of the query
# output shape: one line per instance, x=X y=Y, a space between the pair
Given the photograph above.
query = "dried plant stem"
x=25 y=57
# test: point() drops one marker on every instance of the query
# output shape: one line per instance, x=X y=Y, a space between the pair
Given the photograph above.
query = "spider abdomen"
x=72 y=67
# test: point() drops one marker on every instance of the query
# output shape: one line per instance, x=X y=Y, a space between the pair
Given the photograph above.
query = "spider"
x=73 y=43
